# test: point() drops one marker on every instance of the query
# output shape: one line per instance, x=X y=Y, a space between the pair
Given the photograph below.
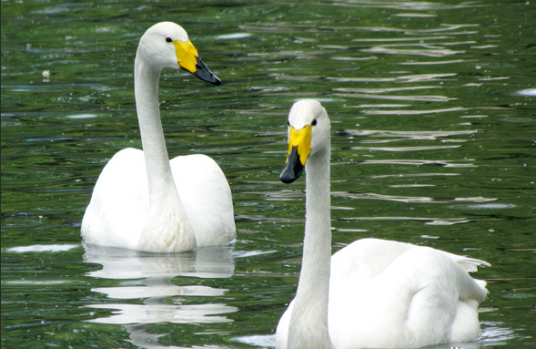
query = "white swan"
x=377 y=293
x=142 y=200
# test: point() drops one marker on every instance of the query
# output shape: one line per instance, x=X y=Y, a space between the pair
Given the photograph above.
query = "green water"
x=434 y=139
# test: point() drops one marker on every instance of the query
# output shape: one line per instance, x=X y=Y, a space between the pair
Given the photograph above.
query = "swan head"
x=166 y=45
x=308 y=134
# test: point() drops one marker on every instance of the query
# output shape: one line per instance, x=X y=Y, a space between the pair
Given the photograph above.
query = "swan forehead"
x=304 y=112
x=169 y=29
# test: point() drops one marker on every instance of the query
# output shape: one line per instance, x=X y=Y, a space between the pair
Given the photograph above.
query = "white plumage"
x=142 y=200
x=373 y=293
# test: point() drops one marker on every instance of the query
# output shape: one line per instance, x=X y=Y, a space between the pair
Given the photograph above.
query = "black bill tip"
x=293 y=169
x=202 y=72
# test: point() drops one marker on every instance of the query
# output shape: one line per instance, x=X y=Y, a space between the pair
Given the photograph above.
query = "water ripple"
x=414 y=135
x=407 y=5
x=443 y=28
x=233 y=36
x=156 y=272
x=438 y=62
x=407 y=199
x=383 y=90
x=416 y=38
x=398 y=79
x=531 y=92
x=443 y=163
x=426 y=50
x=406 y=149
x=413 y=98
x=42 y=248
x=426 y=220
x=152 y=314
x=411 y=112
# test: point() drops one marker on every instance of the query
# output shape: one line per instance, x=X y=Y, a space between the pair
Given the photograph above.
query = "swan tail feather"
x=468 y=264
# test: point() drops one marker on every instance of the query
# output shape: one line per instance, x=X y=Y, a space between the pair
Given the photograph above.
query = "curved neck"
x=152 y=136
x=309 y=319
x=166 y=218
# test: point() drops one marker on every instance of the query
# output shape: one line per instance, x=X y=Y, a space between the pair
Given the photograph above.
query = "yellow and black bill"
x=203 y=73
x=189 y=60
x=293 y=169
x=299 y=148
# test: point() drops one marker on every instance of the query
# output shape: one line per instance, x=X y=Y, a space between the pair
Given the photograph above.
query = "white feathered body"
x=388 y=294
x=119 y=209
x=373 y=293
x=142 y=200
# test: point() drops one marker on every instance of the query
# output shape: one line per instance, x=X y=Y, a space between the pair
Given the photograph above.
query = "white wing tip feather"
x=468 y=264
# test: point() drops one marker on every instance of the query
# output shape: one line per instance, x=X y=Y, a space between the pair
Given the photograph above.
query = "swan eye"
x=168 y=39
x=314 y=122
x=288 y=122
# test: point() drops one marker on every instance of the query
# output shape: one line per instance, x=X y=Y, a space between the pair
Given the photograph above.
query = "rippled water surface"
x=434 y=140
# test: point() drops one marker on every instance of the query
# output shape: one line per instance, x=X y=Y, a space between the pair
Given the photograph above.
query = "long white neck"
x=166 y=211
x=309 y=319
x=152 y=136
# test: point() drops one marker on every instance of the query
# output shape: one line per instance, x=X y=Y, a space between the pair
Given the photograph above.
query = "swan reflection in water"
x=156 y=272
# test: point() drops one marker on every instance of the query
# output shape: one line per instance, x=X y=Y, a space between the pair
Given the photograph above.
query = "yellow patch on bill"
x=186 y=55
x=302 y=140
